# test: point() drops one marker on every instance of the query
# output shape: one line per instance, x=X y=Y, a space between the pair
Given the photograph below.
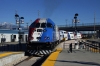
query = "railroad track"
x=30 y=61
x=36 y=60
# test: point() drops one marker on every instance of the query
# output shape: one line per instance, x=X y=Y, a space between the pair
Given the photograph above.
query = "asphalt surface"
x=78 y=57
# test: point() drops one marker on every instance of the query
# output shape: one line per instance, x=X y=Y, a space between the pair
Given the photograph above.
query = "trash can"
x=76 y=46
x=70 y=47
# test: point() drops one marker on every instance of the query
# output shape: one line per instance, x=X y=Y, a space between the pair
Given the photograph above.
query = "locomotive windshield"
x=37 y=25
x=49 y=25
x=43 y=25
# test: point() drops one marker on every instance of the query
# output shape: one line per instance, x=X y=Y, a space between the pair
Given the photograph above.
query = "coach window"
x=43 y=25
x=49 y=25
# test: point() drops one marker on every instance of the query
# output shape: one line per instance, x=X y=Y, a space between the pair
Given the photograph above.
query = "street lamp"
x=75 y=17
x=19 y=20
x=76 y=21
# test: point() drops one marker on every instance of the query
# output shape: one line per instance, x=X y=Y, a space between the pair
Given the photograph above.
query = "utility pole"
x=94 y=25
x=15 y=11
x=16 y=23
x=66 y=22
x=31 y=21
x=38 y=13
x=72 y=23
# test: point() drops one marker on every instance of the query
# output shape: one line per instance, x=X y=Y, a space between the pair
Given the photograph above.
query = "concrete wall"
x=13 y=59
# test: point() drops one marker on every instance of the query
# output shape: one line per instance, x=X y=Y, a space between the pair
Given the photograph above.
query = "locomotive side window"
x=49 y=25
x=43 y=25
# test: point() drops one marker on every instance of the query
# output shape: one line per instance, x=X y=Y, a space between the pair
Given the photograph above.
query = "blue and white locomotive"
x=43 y=33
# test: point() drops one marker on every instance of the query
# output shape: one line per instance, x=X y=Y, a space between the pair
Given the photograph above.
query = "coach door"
x=22 y=37
x=13 y=38
x=26 y=38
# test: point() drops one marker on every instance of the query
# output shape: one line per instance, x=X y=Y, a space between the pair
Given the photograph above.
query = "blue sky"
x=60 y=11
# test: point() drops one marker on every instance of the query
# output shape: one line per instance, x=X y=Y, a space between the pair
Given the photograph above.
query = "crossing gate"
x=37 y=52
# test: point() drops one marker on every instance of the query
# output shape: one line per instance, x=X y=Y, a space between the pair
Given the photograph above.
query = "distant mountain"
x=7 y=25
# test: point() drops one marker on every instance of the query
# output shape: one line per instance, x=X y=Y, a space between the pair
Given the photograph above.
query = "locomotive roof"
x=43 y=20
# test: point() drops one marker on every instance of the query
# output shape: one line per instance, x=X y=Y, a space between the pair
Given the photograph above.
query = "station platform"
x=5 y=54
x=11 y=58
x=76 y=58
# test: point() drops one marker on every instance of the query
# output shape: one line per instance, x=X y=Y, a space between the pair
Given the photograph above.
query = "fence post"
x=95 y=47
x=64 y=45
x=85 y=46
x=91 y=45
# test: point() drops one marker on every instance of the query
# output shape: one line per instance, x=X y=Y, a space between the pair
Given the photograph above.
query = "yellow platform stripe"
x=8 y=53
x=50 y=61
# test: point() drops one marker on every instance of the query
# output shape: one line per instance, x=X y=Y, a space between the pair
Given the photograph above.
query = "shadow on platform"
x=79 y=62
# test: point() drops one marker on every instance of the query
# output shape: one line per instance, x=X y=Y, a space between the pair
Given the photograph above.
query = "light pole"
x=19 y=20
x=76 y=21
x=66 y=22
x=75 y=17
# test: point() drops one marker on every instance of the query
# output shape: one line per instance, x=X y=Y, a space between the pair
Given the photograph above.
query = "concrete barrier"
x=13 y=59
